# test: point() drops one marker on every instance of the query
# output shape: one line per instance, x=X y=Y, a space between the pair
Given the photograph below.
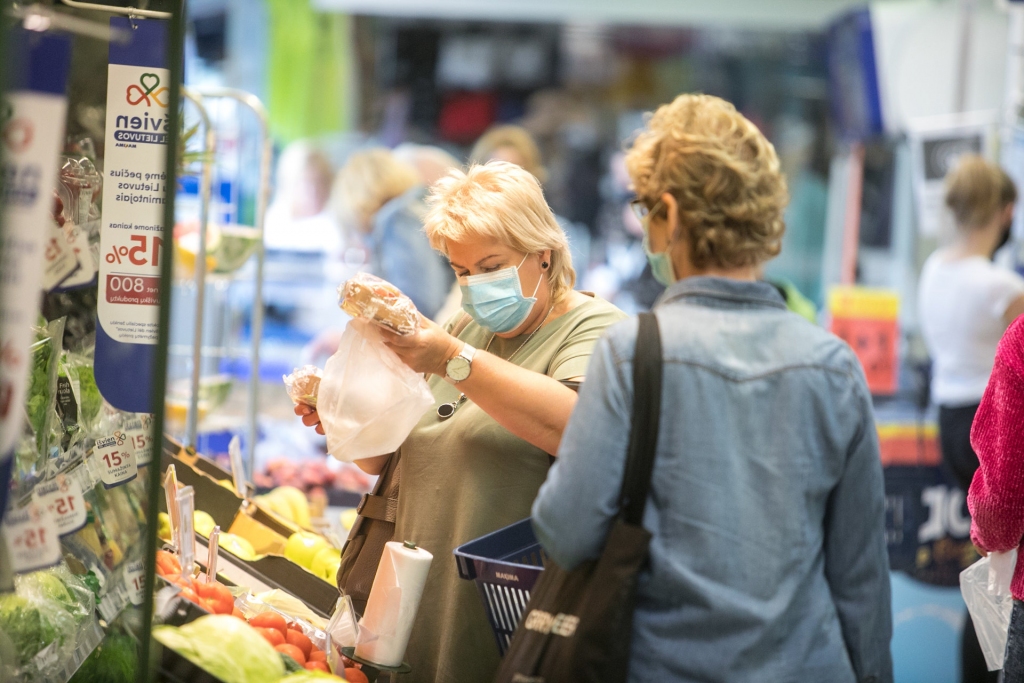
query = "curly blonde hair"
x=502 y=202
x=724 y=175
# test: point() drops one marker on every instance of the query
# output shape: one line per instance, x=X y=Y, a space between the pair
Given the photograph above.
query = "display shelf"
x=90 y=635
x=115 y=597
x=270 y=572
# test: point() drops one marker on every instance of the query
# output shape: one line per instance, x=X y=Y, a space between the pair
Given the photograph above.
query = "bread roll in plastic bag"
x=369 y=399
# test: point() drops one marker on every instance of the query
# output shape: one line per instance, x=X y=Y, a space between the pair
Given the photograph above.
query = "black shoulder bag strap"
x=578 y=624
x=643 y=437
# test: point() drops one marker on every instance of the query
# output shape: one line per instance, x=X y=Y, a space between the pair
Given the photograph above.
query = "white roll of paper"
x=394 y=600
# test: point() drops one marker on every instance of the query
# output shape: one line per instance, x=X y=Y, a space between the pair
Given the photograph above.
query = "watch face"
x=458 y=368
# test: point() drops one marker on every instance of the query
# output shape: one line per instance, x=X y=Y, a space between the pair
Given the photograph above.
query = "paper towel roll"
x=391 y=608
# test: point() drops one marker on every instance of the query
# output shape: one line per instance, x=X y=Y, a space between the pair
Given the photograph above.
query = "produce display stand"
x=78 y=545
x=78 y=536
x=229 y=511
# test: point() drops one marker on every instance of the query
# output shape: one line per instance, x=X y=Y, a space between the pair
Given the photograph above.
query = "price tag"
x=135 y=581
x=31 y=537
x=59 y=258
x=62 y=497
x=78 y=240
x=113 y=602
x=185 y=500
x=114 y=459
x=139 y=433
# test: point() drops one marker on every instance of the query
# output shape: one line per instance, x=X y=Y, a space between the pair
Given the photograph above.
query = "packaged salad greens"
x=37 y=628
x=42 y=388
x=90 y=402
x=66 y=589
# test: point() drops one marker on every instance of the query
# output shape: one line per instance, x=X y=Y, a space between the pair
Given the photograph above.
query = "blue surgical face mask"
x=661 y=263
x=496 y=301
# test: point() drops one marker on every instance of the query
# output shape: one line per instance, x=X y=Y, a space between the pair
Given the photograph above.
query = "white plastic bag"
x=986 y=589
x=369 y=400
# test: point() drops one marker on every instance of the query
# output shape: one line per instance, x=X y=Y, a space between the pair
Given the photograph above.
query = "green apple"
x=303 y=546
x=203 y=523
x=238 y=546
x=348 y=518
x=324 y=561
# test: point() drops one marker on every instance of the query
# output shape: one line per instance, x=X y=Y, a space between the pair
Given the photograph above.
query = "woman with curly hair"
x=768 y=558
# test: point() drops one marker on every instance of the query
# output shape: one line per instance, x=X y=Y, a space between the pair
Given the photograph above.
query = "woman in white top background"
x=966 y=303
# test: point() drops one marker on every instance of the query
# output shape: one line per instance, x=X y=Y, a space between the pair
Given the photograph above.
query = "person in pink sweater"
x=996 y=497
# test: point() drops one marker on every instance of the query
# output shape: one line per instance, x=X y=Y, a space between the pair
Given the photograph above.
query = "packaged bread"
x=367 y=296
x=303 y=385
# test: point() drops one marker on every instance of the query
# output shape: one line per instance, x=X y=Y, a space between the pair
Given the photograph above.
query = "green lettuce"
x=32 y=624
x=226 y=647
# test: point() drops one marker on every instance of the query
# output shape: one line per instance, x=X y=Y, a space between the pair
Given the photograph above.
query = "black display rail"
x=176 y=669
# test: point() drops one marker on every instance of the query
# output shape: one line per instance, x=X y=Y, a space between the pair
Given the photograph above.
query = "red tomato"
x=235 y=612
x=317 y=655
x=167 y=563
x=219 y=597
x=300 y=641
x=318 y=666
x=294 y=626
x=353 y=675
x=293 y=652
x=269 y=620
x=271 y=635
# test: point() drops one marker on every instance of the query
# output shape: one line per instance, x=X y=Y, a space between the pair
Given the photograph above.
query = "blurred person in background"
x=625 y=276
x=966 y=303
x=297 y=218
x=432 y=163
x=768 y=558
x=515 y=145
x=382 y=200
x=996 y=500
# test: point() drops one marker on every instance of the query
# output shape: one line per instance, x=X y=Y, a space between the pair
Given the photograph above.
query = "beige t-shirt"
x=468 y=476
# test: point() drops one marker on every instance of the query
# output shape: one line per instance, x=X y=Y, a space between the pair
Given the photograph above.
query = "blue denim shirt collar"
x=722 y=292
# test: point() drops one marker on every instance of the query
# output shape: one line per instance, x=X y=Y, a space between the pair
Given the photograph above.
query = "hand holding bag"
x=577 y=626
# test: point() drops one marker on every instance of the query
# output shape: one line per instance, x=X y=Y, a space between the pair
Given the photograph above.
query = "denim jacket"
x=768 y=559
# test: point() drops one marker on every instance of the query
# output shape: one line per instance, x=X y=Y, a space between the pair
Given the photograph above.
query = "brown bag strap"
x=386 y=488
x=378 y=507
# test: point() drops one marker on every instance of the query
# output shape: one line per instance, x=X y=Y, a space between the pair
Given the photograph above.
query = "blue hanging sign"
x=132 y=231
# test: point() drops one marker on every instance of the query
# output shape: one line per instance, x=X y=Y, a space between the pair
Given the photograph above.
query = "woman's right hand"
x=310 y=417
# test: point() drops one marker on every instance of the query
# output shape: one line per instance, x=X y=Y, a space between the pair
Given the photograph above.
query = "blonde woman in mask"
x=474 y=464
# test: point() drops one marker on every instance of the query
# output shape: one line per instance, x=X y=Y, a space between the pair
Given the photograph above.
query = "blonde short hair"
x=503 y=202
x=369 y=180
x=516 y=138
x=976 y=190
x=724 y=174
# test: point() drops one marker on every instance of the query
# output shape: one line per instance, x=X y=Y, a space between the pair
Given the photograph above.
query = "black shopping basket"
x=505 y=565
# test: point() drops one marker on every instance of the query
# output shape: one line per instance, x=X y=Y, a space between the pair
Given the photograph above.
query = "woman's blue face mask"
x=496 y=301
x=661 y=262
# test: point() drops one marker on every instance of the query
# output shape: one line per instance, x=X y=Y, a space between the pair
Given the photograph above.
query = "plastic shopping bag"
x=986 y=589
x=369 y=400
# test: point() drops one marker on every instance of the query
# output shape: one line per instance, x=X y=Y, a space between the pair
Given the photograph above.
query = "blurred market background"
x=867 y=105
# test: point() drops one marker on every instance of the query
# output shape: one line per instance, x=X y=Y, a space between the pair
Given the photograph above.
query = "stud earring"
x=544 y=265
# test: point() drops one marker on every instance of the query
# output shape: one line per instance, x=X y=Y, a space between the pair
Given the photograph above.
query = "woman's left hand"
x=428 y=349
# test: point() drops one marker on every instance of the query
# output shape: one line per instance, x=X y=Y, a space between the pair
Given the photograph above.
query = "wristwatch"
x=458 y=368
